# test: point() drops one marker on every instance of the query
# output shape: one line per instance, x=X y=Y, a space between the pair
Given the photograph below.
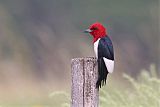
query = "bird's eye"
x=94 y=28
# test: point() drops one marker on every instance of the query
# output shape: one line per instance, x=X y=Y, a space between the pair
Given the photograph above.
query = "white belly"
x=96 y=47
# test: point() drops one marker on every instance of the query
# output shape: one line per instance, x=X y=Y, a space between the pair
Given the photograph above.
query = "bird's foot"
x=94 y=65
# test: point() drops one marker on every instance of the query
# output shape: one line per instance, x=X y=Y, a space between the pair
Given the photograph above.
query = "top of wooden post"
x=84 y=58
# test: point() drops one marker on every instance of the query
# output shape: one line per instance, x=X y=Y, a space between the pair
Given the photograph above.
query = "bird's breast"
x=96 y=47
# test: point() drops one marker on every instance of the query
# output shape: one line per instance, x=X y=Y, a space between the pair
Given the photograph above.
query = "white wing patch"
x=109 y=64
x=96 y=47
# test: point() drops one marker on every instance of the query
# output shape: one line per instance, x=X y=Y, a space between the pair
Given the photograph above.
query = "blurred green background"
x=38 y=38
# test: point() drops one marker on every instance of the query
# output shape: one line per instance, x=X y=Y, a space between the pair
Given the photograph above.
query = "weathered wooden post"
x=84 y=77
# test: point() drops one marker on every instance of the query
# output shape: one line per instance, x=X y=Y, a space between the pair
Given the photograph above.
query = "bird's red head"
x=97 y=30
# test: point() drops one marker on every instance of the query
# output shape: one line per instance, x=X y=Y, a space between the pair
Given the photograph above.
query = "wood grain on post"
x=84 y=77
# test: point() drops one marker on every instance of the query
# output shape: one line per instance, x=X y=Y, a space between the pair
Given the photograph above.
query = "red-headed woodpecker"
x=103 y=49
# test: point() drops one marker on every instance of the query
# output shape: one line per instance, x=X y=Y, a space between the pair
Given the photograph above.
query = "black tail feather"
x=102 y=73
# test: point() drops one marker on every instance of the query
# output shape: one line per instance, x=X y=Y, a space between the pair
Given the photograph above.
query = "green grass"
x=143 y=92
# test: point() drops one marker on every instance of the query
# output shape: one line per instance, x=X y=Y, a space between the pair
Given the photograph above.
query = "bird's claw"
x=94 y=65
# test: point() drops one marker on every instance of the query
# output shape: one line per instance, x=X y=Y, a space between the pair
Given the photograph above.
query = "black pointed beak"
x=87 y=31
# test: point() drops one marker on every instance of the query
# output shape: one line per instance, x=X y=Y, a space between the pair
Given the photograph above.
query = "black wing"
x=105 y=49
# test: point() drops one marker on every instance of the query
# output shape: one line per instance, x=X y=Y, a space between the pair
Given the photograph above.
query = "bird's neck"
x=95 y=38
